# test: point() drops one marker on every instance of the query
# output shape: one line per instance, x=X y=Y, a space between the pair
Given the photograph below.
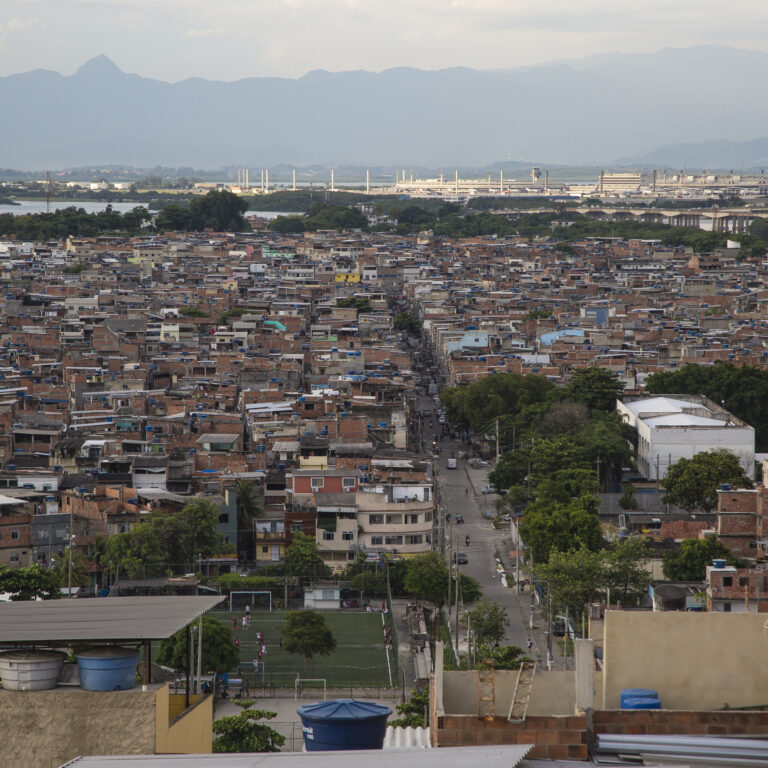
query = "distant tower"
x=266 y=179
x=247 y=182
x=332 y=181
x=546 y=182
x=535 y=174
x=490 y=188
x=457 y=182
x=501 y=182
x=262 y=179
x=367 y=182
x=294 y=180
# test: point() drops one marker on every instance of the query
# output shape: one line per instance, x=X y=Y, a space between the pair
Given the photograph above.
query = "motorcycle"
x=466 y=540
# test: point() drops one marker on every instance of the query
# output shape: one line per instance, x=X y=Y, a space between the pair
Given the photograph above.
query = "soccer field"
x=359 y=659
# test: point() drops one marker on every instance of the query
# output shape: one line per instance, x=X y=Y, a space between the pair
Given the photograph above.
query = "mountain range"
x=677 y=107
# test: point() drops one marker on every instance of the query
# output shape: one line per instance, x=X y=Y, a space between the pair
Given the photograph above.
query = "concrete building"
x=673 y=427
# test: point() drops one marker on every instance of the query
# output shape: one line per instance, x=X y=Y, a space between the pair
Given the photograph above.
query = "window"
x=15 y=535
x=265 y=550
x=224 y=517
x=377 y=541
x=317 y=482
x=376 y=519
x=744 y=581
x=394 y=519
x=347 y=536
x=393 y=539
x=295 y=527
x=727 y=607
x=411 y=519
x=414 y=539
x=328 y=535
x=727 y=581
x=348 y=482
x=14 y=558
x=427 y=517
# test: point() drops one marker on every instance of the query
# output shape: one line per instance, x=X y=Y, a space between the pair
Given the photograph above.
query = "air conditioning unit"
x=346 y=489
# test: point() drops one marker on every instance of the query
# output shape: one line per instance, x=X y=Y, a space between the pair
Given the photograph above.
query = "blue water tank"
x=107 y=669
x=640 y=702
x=343 y=724
x=637 y=693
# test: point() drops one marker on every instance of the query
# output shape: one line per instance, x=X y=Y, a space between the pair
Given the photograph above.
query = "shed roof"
x=99 y=619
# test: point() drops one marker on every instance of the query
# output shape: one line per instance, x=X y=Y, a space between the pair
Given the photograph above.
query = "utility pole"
x=549 y=634
x=497 y=440
x=457 y=605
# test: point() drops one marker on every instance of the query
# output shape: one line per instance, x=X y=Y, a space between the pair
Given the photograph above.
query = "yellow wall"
x=346 y=277
x=694 y=660
x=313 y=462
x=180 y=732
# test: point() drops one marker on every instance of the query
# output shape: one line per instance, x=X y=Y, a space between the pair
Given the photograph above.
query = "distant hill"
x=591 y=110
x=715 y=154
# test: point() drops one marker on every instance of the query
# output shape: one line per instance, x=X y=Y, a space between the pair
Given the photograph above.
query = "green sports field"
x=359 y=659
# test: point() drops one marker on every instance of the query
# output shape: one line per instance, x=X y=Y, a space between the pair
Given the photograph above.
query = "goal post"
x=256 y=600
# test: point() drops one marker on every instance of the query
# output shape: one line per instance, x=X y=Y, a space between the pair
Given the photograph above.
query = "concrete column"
x=439 y=707
x=584 y=658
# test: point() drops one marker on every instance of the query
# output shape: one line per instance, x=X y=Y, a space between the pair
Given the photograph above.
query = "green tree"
x=548 y=527
x=597 y=388
x=414 y=712
x=690 y=560
x=219 y=210
x=575 y=579
x=426 y=578
x=81 y=576
x=219 y=651
x=489 y=621
x=248 y=503
x=173 y=218
x=30 y=583
x=693 y=483
x=408 y=322
x=244 y=733
x=305 y=634
x=628 y=500
x=469 y=589
x=303 y=558
x=503 y=656
x=287 y=224
x=625 y=569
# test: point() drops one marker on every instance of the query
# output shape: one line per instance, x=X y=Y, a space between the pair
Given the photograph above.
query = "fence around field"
x=360 y=658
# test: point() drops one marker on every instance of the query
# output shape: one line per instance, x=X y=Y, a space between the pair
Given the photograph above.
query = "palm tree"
x=81 y=576
x=249 y=508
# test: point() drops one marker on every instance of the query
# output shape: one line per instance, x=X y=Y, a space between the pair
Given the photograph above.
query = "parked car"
x=489 y=489
x=459 y=519
x=461 y=558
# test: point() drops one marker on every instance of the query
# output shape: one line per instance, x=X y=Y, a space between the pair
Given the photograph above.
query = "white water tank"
x=30 y=670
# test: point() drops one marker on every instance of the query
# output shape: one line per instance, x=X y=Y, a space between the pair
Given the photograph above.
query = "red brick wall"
x=663 y=721
x=555 y=738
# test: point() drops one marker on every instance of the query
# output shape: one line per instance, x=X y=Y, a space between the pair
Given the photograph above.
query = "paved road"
x=460 y=492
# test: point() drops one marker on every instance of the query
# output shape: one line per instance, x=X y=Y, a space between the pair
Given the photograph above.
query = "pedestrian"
x=530 y=643
x=281 y=642
x=247 y=609
x=234 y=623
x=263 y=649
x=245 y=622
x=237 y=642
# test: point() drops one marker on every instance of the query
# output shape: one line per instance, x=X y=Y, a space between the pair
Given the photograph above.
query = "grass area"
x=359 y=658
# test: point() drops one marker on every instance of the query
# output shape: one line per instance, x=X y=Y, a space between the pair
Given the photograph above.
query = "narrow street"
x=460 y=493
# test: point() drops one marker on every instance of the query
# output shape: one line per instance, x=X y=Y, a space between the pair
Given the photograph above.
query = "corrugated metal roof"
x=448 y=757
x=103 y=619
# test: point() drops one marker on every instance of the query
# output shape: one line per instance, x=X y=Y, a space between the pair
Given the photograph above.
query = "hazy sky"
x=230 y=39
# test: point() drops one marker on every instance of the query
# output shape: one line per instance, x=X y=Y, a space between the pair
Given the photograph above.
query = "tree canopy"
x=219 y=651
x=690 y=560
x=303 y=558
x=30 y=583
x=244 y=733
x=306 y=634
x=693 y=483
x=168 y=542
x=488 y=621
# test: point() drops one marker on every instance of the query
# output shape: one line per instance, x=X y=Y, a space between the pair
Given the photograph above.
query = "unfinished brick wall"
x=661 y=721
x=555 y=738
